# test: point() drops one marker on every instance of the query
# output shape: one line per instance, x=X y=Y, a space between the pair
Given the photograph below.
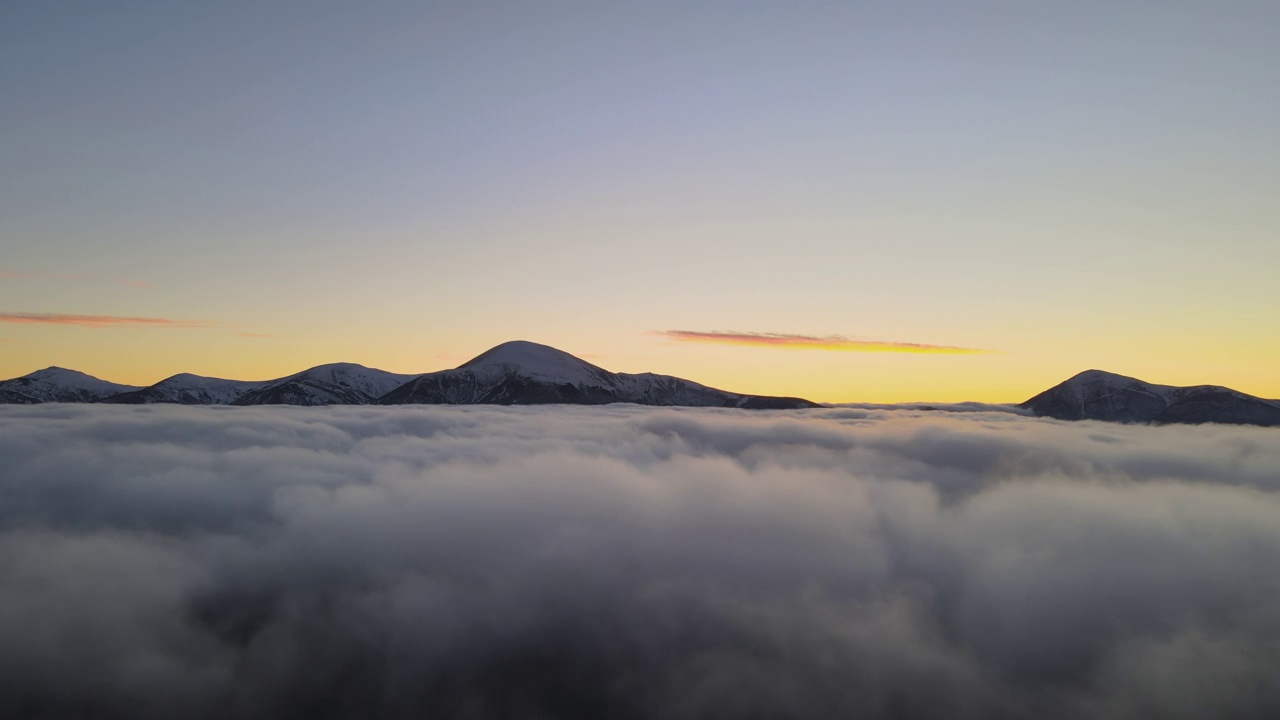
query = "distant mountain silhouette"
x=526 y=373
x=1098 y=395
x=513 y=373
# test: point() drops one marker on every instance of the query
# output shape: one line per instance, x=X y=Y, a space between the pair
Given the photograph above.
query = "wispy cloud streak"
x=99 y=321
x=814 y=342
x=27 y=275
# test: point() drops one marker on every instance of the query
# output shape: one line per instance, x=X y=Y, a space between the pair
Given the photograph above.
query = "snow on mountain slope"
x=188 y=389
x=525 y=373
x=333 y=384
x=513 y=373
x=370 y=381
x=540 y=362
x=1098 y=395
x=55 y=384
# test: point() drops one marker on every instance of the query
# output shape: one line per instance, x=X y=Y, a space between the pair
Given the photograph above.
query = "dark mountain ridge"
x=1099 y=395
x=513 y=373
x=525 y=373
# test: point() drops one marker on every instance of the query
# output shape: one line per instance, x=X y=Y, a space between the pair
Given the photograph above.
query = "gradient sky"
x=1063 y=185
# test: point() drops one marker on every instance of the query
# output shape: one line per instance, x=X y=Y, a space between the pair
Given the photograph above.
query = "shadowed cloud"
x=630 y=562
x=814 y=342
x=99 y=321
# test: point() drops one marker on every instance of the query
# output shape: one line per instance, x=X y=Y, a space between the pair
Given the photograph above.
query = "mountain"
x=188 y=389
x=1098 y=395
x=525 y=373
x=513 y=373
x=335 y=384
x=55 y=384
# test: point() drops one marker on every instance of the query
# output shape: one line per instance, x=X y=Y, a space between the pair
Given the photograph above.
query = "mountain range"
x=525 y=373
x=513 y=373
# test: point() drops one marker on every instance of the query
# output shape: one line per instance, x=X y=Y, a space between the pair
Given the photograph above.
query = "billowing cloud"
x=628 y=562
x=811 y=342
x=99 y=321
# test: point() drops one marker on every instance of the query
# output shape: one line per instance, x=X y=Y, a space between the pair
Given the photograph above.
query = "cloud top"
x=633 y=562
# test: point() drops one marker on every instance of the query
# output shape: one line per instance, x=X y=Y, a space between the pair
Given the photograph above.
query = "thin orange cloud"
x=99 y=321
x=814 y=342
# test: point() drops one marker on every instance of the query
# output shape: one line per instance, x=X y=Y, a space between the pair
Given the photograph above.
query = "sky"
x=859 y=201
x=633 y=562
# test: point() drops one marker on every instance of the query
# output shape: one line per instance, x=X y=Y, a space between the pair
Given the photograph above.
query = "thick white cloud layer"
x=480 y=562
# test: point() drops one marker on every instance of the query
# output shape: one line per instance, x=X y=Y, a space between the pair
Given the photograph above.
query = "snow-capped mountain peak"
x=331 y=384
x=55 y=374
x=369 y=380
x=56 y=384
x=1099 y=395
x=526 y=373
x=188 y=389
x=1095 y=375
x=187 y=380
x=542 y=362
x=1100 y=383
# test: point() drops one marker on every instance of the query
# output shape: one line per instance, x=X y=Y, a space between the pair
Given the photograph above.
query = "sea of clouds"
x=629 y=562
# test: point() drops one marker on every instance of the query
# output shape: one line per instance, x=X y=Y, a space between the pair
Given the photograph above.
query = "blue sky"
x=1068 y=185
